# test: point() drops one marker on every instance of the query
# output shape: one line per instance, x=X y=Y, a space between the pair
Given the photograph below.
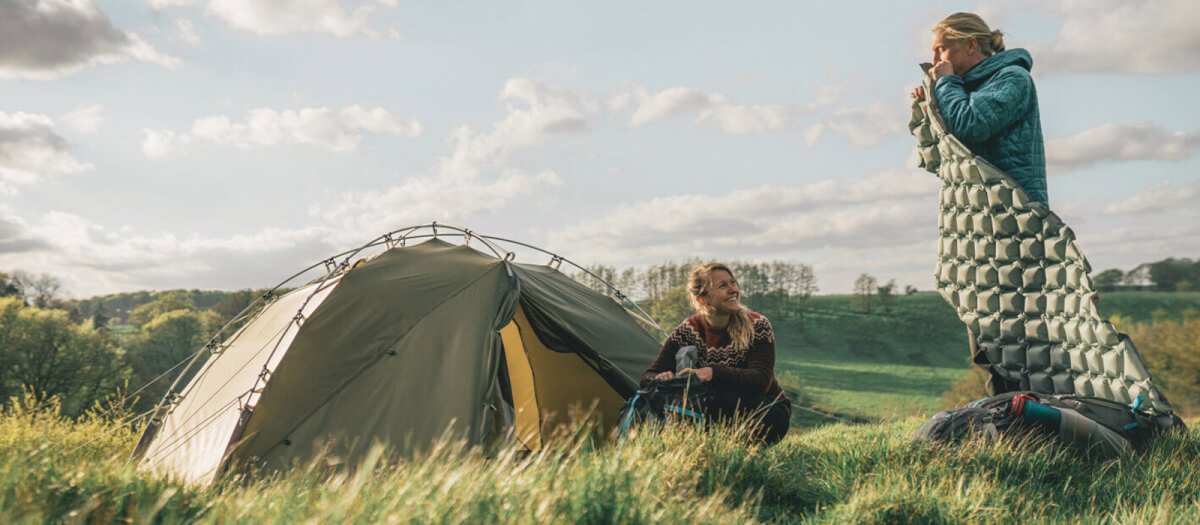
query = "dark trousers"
x=770 y=418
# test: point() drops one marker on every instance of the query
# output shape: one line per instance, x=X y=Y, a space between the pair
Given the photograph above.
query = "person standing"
x=988 y=100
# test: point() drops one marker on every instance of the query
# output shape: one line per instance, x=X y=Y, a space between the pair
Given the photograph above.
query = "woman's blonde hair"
x=741 y=329
x=968 y=26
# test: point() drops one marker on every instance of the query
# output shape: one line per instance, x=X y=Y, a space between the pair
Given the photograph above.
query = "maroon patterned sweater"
x=748 y=371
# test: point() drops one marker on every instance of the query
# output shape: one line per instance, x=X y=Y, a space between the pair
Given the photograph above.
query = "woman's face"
x=723 y=293
x=961 y=54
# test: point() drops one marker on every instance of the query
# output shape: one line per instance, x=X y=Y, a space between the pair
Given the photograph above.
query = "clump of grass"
x=867 y=473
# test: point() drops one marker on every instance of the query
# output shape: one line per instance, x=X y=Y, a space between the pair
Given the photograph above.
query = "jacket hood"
x=998 y=61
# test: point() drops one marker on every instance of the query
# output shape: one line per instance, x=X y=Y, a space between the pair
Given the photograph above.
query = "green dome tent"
x=400 y=348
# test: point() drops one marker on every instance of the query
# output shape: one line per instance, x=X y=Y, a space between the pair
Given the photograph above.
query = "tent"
x=401 y=348
x=1012 y=270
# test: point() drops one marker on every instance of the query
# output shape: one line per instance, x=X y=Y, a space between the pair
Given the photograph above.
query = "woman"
x=735 y=353
x=988 y=100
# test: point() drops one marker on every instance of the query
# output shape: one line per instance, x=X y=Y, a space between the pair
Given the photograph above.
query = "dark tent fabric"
x=413 y=344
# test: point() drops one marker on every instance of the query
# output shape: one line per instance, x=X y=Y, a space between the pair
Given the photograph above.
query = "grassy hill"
x=898 y=362
x=836 y=474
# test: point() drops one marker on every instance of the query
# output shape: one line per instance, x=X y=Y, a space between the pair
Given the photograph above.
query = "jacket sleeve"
x=665 y=362
x=759 y=372
x=982 y=114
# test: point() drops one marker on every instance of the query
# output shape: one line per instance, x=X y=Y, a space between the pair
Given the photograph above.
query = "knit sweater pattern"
x=750 y=370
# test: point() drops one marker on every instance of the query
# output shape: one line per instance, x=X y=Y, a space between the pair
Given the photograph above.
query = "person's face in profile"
x=959 y=53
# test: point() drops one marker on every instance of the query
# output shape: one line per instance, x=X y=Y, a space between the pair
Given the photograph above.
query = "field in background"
x=893 y=363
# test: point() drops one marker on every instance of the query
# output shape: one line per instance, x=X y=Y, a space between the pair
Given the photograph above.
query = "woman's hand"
x=941 y=69
x=665 y=375
x=705 y=374
x=918 y=93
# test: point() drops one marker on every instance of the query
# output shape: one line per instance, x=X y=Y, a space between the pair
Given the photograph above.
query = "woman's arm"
x=665 y=362
x=997 y=104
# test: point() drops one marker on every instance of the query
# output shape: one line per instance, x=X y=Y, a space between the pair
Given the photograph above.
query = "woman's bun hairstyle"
x=997 y=41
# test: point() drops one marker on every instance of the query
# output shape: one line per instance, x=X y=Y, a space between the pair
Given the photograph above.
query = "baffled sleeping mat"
x=1014 y=274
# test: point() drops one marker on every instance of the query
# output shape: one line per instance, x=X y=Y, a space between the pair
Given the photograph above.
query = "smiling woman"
x=735 y=353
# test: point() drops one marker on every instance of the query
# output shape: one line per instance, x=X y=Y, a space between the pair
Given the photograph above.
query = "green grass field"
x=888 y=366
x=896 y=363
x=866 y=473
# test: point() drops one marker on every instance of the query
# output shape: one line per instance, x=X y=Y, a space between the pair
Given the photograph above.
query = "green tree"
x=43 y=351
x=865 y=287
x=40 y=290
x=670 y=310
x=887 y=295
x=165 y=341
x=163 y=303
x=10 y=286
x=1167 y=273
x=1108 y=280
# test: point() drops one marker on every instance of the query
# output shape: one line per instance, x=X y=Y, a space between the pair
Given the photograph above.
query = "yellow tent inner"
x=551 y=388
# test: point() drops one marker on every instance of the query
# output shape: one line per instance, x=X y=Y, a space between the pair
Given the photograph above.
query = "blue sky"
x=226 y=143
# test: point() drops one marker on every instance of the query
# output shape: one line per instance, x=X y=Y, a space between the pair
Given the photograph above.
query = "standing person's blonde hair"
x=969 y=26
x=741 y=328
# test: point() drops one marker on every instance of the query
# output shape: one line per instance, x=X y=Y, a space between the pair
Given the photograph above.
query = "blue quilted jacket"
x=993 y=110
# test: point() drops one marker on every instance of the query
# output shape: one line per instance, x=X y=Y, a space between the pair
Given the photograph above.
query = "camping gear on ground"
x=403 y=347
x=682 y=398
x=1016 y=277
x=685 y=358
x=687 y=399
x=1096 y=427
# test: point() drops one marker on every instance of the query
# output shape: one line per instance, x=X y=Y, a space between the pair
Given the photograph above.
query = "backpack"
x=679 y=399
x=1097 y=427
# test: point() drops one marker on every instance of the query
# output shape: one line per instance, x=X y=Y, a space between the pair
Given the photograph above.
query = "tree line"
x=777 y=289
x=81 y=353
x=1167 y=275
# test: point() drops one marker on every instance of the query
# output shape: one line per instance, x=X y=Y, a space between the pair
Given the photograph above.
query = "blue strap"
x=684 y=411
x=629 y=416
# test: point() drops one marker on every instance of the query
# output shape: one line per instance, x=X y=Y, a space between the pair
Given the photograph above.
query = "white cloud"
x=339 y=131
x=740 y=119
x=887 y=209
x=535 y=111
x=1151 y=37
x=476 y=176
x=283 y=17
x=715 y=108
x=867 y=125
x=86 y=119
x=666 y=103
x=813 y=133
x=1162 y=196
x=187 y=32
x=91 y=258
x=44 y=39
x=160 y=143
x=420 y=200
x=159 y=5
x=30 y=149
x=1117 y=143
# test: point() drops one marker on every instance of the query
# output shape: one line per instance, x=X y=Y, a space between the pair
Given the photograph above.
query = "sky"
x=226 y=144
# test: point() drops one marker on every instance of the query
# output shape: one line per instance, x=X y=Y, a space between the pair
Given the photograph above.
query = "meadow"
x=897 y=363
x=870 y=378
x=840 y=473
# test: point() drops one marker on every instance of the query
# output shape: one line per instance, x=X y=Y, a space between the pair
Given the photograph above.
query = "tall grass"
x=836 y=474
